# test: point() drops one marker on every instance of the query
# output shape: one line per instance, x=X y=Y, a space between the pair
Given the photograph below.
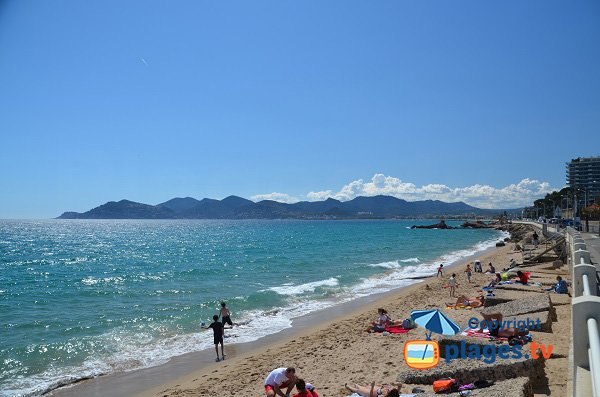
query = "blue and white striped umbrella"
x=435 y=321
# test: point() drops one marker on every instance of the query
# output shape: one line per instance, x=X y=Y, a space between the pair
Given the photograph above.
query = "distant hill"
x=123 y=209
x=180 y=204
x=234 y=207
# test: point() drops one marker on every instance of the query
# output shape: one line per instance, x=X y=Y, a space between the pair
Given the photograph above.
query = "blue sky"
x=149 y=100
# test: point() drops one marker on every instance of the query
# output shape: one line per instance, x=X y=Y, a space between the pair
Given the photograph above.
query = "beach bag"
x=408 y=323
x=445 y=386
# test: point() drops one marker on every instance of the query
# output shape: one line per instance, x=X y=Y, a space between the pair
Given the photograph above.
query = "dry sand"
x=338 y=351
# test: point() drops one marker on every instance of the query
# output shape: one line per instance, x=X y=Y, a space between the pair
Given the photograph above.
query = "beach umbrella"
x=434 y=321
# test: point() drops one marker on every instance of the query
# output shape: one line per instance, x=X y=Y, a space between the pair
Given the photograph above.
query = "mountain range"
x=234 y=207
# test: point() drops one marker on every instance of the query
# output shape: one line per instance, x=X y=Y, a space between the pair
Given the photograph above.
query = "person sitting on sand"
x=463 y=301
x=383 y=320
x=384 y=390
x=493 y=321
x=560 y=287
x=495 y=281
x=278 y=379
x=492 y=269
x=305 y=389
x=523 y=277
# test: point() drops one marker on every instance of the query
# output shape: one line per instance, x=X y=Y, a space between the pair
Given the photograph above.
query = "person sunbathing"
x=493 y=321
x=384 y=390
x=495 y=281
x=463 y=301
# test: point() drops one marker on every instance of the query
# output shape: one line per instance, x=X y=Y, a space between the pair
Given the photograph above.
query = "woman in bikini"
x=384 y=390
x=463 y=301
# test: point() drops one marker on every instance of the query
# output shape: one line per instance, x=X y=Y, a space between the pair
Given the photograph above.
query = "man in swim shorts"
x=279 y=379
x=225 y=315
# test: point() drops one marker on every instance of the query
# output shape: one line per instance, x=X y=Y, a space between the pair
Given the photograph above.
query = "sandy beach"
x=335 y=351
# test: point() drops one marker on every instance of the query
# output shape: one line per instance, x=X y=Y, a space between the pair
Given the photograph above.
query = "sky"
x=472 y=101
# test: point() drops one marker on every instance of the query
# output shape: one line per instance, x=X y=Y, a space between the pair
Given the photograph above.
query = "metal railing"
x=586 y=310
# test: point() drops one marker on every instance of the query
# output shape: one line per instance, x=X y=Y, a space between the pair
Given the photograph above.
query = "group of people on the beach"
x=281 y=381
x=286 y=378
x=453 y=282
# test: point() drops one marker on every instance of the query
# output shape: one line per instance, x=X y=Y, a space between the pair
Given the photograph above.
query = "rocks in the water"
x=477 y=225
x=500 y=244
x=440 y=225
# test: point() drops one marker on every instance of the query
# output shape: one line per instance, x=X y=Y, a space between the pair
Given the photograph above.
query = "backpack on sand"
x=408 y=323
x=445 y=386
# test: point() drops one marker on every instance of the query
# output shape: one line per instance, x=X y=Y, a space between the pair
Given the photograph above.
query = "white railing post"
x=586 y=310
x=594 y=353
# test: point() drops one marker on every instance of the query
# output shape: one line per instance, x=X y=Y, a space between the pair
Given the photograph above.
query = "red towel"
x=396 y=329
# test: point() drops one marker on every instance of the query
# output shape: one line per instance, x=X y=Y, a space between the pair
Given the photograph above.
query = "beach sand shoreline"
x=183 y=370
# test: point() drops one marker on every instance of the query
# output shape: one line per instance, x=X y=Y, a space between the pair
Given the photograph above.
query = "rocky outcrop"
x=477 y=225
x=440 y=225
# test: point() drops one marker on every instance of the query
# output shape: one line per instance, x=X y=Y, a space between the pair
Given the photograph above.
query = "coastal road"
x=592 y=242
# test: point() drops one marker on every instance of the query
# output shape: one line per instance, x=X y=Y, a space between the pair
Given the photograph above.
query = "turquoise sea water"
x=83 y=298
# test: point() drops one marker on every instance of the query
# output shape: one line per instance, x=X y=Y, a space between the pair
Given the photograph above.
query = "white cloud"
x=518 y=194
x=281 y=197
x=319 y=196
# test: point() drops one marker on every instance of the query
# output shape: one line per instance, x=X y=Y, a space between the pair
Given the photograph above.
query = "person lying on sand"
x=493 y=321
x=384 y=390
x=463 y=301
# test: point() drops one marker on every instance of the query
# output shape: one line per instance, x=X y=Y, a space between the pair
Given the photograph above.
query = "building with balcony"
x=583 y=174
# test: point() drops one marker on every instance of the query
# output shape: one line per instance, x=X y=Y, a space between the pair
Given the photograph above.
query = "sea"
x=83 y=298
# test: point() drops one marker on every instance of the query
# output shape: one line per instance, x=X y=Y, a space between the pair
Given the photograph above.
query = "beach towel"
x=474 y=332
x=401 y=395
x=396 y=329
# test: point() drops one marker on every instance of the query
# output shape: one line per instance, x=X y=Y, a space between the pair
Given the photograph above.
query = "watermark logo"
x=421 y=354
x=425 y=354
